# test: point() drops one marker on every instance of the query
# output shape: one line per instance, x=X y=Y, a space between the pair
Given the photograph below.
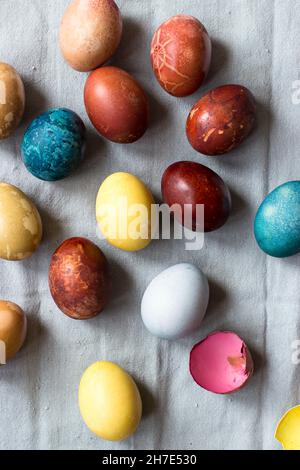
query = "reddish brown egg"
x=79 y=279
x=192 y=184
x=116 y=104
x=221 y=120
x=181 y=55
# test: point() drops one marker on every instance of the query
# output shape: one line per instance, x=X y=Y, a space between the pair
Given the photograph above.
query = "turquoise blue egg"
x=277 y=222
x=54 y=144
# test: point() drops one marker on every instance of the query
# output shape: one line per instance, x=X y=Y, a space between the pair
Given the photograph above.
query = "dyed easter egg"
x=175 y=302
x=221 y=120
x=116 y=105
x=277 y=222
x=12 y=100
x=53 y=145
x=20 y=224
x=90 y=33
x=79 y=279
x=221 y=363
x=181 y=55
x=187 y=185
x=288 y=429
x=109 y=401
x=13 y=328
x=123 y=212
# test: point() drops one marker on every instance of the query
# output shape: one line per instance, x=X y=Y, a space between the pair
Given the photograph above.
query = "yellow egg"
x=288 y=430
x=109 y=401
x=12 y=100
x=123 y=212
x=20 y=224
x=13 y=326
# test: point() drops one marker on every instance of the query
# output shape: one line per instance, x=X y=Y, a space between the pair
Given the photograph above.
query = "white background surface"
x=256 y=44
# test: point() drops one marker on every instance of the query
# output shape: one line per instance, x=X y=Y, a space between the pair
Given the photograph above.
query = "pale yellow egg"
x=109 y=401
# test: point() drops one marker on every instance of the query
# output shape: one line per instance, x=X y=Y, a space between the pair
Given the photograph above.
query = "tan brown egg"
x=13 y=327
x=90 y=33
x=20 y=224
x=12 y=100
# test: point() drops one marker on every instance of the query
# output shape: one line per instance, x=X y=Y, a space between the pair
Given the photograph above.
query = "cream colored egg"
x=90 y=33
x=124 y=212
x=13 y=327
x=20 y=224
x=12 y=100
x=109 y=401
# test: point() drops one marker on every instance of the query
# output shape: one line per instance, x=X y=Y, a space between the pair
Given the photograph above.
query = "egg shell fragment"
x=288 y=429
x=109 y=401
x=221 y=120
x=54 y=144
x=12 y=100
x=79 y=279
x=221 y=363
x=13 y=328
x=123 y=212
x=185 y=185
x=90 y=33
x=117 y=105
x=20 y=224
x=181 y=55
x=175 y=302
x=277 y=222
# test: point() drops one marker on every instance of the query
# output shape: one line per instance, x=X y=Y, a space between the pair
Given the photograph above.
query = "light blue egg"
x=53 y=145
x=277 y=222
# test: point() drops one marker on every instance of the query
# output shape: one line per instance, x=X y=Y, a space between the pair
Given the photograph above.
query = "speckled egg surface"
x=53 y=145
x=12 y=100
x=277 y=222
x=20 y=224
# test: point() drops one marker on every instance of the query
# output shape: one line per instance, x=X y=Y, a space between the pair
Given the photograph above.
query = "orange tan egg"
x=13 y=327
x=20 y=224
x=12 y=100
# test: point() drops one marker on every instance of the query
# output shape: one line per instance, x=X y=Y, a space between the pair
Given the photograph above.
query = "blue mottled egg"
x=54 y=144
x=277 y=222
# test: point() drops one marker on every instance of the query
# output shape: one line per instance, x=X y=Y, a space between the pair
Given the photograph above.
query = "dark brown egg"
x=79 y=279
x=221 y=120
x=192 y=184
x=116 y=105
x=181 y=55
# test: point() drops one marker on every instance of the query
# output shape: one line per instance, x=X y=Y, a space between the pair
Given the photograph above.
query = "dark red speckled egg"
x=189 y=183
x=116 y=105
x=181 y=55
x=79 y=279
x=221 y=120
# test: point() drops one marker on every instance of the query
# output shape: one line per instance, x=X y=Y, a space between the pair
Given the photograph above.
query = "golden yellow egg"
x=123 y=211
x=109 y=401
x=13 y=326
x=20 y=224
x=288 y=429
x=12 y=100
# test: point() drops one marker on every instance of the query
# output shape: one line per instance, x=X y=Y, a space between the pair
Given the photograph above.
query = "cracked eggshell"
x=13 y=328
x=116 y=105
x=288 y=429
x=221 y=120
x=12 y=100
x=90 y=33
x=109 y=401
x=181 y=55
x=221 y=363
x=20 y=224
x=175 y=302
x=79 y=279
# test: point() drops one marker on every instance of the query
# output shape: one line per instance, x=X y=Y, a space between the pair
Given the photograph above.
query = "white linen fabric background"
x=256 y=44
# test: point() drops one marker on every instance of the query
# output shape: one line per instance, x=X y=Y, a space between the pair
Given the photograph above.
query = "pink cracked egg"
x=221 y=363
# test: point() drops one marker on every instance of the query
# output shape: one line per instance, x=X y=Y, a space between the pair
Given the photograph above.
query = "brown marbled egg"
x=12 y=100
x=188 y=184
x=181 y=55
x=221 y=120
x=79 y=279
